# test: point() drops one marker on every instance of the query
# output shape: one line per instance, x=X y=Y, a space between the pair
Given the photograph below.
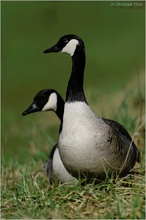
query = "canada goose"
x=89 y=145
x=47 y=100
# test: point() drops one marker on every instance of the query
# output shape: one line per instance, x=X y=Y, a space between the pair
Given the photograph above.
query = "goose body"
x=50 y=100
x=89 y=145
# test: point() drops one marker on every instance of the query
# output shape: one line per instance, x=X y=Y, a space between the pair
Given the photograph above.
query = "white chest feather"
x=59 y=170
x=78 y=120
x=80 y=134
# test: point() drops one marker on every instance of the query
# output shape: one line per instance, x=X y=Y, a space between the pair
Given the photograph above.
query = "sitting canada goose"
x=46 y=100
x=90 y=146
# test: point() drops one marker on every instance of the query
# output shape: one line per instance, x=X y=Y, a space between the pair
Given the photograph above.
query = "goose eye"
x=65 y=40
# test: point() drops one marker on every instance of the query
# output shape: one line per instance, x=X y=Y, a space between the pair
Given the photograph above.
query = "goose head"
x=67 y=44
x=74 y=46
x=46 y=100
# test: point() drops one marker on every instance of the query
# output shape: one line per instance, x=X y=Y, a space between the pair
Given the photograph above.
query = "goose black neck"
x=60 y=107
x=75 y=90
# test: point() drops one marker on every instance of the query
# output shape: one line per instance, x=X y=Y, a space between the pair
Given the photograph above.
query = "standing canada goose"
x=50 y=100
x=90 y=146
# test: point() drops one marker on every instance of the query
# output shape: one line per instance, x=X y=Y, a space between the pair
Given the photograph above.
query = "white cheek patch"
x=51 y=103
x=70 y=47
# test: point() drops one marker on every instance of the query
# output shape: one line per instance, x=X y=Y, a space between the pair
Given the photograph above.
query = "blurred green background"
x=114 y=40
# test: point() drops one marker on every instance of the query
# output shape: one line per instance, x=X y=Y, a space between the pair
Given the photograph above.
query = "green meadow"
x=114 y=37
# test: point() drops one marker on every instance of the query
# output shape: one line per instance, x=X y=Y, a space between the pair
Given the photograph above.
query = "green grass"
x=114 y=87
x=27 y=194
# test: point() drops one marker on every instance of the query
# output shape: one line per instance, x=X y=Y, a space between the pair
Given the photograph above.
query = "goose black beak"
x=52 y=49
x=32 y=108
